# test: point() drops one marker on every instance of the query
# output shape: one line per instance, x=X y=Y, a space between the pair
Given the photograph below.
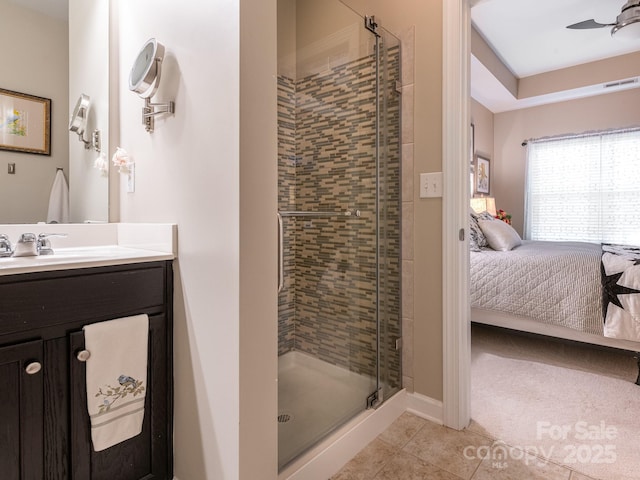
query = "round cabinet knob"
x=33 y=367
x=83 y=355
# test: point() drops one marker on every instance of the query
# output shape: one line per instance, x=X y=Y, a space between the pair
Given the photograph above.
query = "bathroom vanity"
x=45 y=430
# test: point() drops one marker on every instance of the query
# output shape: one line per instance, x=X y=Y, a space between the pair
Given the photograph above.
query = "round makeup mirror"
x=144 y=80
x=78 y=121
x=144 y=77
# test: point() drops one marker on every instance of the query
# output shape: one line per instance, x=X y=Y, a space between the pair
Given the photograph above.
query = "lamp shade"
x=484 y=204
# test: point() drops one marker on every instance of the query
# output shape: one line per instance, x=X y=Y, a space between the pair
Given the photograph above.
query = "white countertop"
x=130 y=243
x=80 y=257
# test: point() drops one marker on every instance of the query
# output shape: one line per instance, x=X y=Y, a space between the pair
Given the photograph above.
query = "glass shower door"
x=389 y=203
x=331 y=216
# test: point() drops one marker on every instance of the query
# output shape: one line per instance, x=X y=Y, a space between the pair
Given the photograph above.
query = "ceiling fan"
x=627 y=24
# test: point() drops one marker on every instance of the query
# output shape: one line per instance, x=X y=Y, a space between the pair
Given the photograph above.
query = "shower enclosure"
x=339 y=334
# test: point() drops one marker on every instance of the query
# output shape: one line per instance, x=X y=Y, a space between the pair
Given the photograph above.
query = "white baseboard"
x=425 y=407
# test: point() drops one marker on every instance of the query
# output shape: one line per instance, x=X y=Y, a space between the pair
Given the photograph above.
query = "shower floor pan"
x=314 y=398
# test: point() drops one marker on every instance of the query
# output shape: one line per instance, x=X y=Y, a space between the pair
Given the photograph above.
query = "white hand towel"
x=59 y=200
x=116 y=378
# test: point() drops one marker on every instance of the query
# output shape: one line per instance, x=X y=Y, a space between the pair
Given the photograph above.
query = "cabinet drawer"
x=40 y=300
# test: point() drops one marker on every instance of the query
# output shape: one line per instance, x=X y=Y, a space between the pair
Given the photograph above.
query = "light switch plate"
x=131 y=179
x=431 y=185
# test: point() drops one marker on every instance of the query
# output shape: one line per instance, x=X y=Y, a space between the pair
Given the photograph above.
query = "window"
x=584 y=188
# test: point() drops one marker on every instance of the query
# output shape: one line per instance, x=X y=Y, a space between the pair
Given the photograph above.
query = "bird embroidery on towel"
x=110 y=395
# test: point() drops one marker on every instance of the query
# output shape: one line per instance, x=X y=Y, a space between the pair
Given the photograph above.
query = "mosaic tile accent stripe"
x=327 y=158
x=286 y=201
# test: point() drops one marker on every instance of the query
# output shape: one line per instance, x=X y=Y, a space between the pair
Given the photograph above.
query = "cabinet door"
x=145 y=456
x=21 y=411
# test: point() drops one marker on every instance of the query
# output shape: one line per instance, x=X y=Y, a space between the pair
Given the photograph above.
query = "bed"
x=548 y=288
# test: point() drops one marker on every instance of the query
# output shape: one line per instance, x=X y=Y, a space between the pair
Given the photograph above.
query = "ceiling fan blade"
x=589 y=24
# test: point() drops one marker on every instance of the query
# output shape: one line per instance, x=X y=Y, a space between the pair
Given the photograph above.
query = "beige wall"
x=425 y=147
x=511 y=128
x=287 y=38
x=593 y=73
x=35 y=61
x=483 y=52
x=482 y=119
x=258 y=456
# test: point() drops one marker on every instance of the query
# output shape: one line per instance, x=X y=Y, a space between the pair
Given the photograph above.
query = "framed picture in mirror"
x=25 y=123
x=482 y=174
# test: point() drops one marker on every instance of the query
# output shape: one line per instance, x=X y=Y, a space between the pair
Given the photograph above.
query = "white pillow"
x=500 y=235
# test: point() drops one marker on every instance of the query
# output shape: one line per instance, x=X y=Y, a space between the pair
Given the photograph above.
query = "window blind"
x=584 y=188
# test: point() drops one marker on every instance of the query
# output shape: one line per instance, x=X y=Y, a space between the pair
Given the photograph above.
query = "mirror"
x=63 y=53
x=78 y=122
x=144 y=79
x=145 y=73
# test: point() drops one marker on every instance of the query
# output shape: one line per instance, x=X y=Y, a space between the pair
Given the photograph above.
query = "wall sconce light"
x=144 y=80
x=78 y=123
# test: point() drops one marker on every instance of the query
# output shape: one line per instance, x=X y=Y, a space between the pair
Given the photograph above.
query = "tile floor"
x=415 y=449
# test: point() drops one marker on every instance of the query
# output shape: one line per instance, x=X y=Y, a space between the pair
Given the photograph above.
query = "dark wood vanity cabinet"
x=44 y=424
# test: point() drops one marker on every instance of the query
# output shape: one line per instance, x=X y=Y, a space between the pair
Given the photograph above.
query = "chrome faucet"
x=29 y=245
x=6 y=249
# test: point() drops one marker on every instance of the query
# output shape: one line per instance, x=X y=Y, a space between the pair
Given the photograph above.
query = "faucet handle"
x=44 y=244
x=6 y=249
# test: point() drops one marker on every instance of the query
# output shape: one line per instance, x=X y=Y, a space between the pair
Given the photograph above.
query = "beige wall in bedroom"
x=613 y=110
x=483 y=52
x=587 y=74
x=482 y=119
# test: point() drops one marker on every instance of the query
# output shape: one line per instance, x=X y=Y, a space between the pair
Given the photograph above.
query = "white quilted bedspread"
x=556 y=283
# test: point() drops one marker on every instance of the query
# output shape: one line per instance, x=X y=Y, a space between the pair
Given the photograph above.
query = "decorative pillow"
x=500 y=235
x=477 y=240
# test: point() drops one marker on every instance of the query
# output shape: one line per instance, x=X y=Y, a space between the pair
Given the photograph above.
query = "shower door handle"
x=280 y=253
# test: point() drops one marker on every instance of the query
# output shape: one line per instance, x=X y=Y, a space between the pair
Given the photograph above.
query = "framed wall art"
x=482 y=174
x=25 y=123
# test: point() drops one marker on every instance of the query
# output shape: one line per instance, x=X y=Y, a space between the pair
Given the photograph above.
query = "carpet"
x=575 y=405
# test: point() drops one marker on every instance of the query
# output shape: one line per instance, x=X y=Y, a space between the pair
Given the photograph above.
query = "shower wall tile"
x=407 y=382
x=335 y=302
x=408 y=198
x=328 y=163
x=407 y=346
x=286 y=201
x=407 y=172
x=407 y=288
x=408 y=39
x=407 y=113
x=407 y=231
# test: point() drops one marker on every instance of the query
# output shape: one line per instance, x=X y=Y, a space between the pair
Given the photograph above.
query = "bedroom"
x=553 y=101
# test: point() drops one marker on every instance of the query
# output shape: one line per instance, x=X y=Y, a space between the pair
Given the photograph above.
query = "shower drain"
x=284 y=418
